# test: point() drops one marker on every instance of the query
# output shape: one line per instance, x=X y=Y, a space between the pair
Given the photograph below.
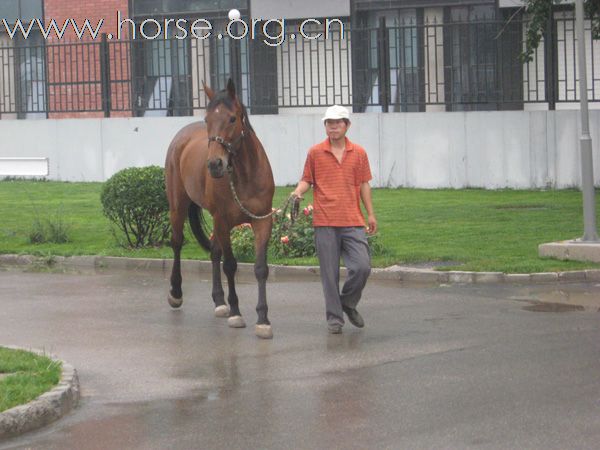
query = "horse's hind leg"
x=262 y=233
x=218 y=295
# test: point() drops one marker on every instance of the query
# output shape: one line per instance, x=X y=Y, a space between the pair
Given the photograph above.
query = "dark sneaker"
x=334 y=328
x=354 y=317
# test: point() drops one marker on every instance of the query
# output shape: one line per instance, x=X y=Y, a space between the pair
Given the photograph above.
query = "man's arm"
x=365 y=196
x=301 y=189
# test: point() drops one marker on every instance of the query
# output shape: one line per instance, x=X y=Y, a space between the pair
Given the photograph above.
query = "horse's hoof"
x=222 y=311
x=264 y=331
x=236 y=322
x=174 y=302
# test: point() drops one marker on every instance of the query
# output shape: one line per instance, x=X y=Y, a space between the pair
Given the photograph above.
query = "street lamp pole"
x=585 y=142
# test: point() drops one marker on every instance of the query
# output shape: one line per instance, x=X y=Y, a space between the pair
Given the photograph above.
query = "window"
x=388 y=64
x=168 y=73
x=433 y=52
x=405 y=83
x=11 y=10
x=30 y=9
x=162 y=77
x=161 y=7
x=31 y=85
x=471 y=54
x=23 y=78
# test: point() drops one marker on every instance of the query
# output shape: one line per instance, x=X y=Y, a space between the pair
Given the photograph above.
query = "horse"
x=221 y=166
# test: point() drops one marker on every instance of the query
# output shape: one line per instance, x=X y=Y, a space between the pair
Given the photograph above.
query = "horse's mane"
x=223 y=97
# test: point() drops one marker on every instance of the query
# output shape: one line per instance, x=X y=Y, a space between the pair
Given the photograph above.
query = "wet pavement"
x=450 y=366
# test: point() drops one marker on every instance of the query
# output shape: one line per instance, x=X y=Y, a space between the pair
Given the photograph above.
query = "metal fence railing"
x=410 y=66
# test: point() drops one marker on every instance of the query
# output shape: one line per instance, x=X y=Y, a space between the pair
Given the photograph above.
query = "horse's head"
x=225 y=126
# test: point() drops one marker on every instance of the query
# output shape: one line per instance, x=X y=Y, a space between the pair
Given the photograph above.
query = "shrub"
x=37 y=233
x=242 y=242
x=53 y=230
x=135 y=200
x=293 y=240
x=58 y=230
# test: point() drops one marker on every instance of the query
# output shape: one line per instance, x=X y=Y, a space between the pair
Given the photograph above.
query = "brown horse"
x=201 y=161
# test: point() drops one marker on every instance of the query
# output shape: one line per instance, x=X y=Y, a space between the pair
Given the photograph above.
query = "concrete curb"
x=45 y=409
x=393 y=273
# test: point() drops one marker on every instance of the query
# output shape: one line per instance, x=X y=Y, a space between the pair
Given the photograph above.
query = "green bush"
x=242 y=242
x=293 y=240
x=135 y=200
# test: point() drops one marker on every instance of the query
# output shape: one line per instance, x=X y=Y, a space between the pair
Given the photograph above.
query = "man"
x=339 y=172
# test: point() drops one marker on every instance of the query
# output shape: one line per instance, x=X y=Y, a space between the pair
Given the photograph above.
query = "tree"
x=540 y=11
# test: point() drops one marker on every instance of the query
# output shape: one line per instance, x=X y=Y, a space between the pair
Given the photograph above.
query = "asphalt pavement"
x=436 y=367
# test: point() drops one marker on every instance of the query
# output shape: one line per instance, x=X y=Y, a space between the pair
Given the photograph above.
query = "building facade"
x=150 y=57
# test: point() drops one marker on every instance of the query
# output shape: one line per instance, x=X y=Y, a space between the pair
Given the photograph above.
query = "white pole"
x=585 y=142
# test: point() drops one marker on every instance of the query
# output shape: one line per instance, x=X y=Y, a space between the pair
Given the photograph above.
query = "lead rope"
x=284 y=206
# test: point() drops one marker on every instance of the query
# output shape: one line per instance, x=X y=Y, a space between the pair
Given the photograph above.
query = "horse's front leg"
x=218 y=295
x=235 y=319
x=177 y=217
x=262 y=234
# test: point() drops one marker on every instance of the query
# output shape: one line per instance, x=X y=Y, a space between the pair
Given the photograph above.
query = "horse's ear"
x=209 y=92
x=231 y=89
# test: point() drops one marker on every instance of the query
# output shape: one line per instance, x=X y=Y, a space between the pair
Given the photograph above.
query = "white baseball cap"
x=336 y=112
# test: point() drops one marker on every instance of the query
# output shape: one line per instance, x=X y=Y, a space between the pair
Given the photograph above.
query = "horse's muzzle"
x=216 y=168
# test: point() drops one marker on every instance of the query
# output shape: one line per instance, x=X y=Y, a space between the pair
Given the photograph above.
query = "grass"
x=27 y=376
x=472 y=229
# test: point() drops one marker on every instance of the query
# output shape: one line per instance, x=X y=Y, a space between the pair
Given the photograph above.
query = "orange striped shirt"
x=336 y=186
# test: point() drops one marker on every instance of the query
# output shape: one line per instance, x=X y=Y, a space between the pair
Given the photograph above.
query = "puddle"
x=582 y=297
x=553 y=307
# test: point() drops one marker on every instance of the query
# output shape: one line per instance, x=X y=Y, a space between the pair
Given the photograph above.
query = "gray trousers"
x=349 y=243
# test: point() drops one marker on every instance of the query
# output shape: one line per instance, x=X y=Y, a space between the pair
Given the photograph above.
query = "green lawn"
x=478 y=229
x=24 y=376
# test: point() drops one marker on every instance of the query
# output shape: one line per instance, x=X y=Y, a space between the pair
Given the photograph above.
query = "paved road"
x=436 y=367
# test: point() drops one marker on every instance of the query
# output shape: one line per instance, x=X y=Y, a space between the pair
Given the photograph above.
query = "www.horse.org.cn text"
x=272 y=32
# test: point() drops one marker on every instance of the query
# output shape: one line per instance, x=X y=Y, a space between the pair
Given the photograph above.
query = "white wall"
x=516 y=149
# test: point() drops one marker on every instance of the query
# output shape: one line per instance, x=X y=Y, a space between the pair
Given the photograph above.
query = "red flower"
x=285 y=240
x=306 y=211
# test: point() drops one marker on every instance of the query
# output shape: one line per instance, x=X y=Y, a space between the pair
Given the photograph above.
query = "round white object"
x=234 y=14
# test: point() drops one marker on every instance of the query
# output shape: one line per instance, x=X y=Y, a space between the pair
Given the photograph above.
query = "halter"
x=229 y=146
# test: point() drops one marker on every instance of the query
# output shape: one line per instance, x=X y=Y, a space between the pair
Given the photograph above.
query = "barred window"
x=153 y=7
x=26 y=10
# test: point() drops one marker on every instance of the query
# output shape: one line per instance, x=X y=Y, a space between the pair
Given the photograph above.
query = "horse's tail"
x=198 y=226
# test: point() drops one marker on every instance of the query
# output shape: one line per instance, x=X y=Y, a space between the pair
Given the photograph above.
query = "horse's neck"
x=249 y=156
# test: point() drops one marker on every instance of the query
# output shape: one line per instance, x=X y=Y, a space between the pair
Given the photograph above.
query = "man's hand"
x=295 y=199
x=372 y=225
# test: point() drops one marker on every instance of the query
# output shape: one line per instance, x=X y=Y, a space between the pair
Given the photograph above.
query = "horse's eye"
x=232 y=119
